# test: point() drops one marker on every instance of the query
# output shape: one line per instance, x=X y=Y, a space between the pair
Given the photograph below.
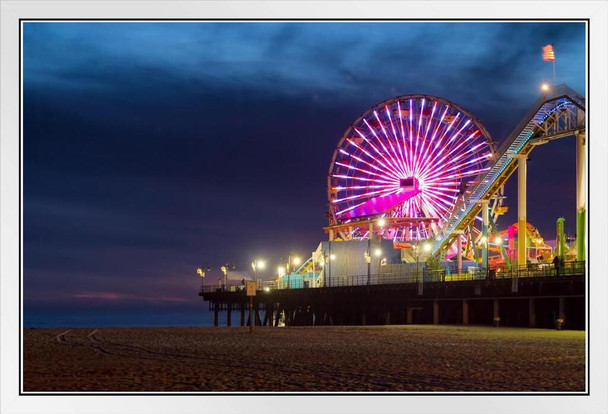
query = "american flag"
x=548 y=53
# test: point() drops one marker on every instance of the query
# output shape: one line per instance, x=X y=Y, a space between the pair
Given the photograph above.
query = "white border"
x=11 y=11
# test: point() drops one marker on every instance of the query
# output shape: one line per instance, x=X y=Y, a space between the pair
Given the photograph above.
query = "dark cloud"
x=151 y=148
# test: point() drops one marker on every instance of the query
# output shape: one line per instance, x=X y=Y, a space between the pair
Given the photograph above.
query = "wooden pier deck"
x=534 y=297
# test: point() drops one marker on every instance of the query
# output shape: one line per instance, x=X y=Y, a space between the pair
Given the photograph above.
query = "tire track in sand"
x=337 y=374
x=61 y=337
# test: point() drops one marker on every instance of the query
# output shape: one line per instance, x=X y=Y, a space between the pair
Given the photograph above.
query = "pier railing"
x=536 y=270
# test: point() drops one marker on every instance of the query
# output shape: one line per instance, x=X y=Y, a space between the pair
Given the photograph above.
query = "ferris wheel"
x=409 y=157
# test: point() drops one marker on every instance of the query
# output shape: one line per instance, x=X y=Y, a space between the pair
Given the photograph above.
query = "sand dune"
x=387 y=358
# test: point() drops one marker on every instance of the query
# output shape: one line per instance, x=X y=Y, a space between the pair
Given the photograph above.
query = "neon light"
x=431 y=141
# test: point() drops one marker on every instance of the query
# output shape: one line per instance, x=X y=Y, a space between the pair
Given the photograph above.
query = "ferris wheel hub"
x=409 y=183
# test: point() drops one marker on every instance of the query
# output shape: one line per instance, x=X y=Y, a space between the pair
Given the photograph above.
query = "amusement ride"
x=419 y=167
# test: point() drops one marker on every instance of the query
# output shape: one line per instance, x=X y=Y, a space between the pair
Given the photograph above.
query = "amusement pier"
x=415 y=191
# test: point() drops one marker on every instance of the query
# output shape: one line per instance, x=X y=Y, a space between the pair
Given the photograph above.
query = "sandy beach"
x=383 y=358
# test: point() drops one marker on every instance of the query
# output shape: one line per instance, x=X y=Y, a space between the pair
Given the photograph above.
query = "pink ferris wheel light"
x=409 y=156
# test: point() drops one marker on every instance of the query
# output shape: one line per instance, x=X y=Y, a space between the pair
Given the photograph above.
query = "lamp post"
x=484 y=253
x=323 y=264
x=327 y=259
x=378 y=254
x=224 y=270
x=426 y=247
x=381 y=223
x=295 y=260
x=281 y=273
x=201 y=272
x=368 y=260
x=257 y=264
x=544 y=87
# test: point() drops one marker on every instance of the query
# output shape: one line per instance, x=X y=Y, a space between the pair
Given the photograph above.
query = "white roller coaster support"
x=521 y=209
x=459 y=252
x=581 y=195
x=484 y=232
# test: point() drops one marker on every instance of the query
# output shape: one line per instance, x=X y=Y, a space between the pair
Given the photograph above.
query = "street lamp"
x=545 y=87
x=201 y=272
x=224 y=270
x=368 y=260
x=295 y=261
x=281 y=273
x=378 y=254
x=256 y=265
x=426 y=247
x=327 y=259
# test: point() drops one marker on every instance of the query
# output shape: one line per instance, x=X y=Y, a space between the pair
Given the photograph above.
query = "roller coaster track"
x=558 y=113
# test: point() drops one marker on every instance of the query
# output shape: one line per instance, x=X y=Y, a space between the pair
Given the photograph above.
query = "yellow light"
x=281 y=270
x=381 y=222
x=267 y=289
x=427 y=247
x=484 y=239
x=332 y=257
x=498 y=240
x=544 y=87
x=378 y=252
x=296 y=260
x=261 y=264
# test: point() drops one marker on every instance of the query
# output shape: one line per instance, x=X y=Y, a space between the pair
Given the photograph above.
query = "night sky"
x=153 y=148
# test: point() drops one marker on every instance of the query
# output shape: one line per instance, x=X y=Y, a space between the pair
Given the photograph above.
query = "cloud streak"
x=117 y=296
